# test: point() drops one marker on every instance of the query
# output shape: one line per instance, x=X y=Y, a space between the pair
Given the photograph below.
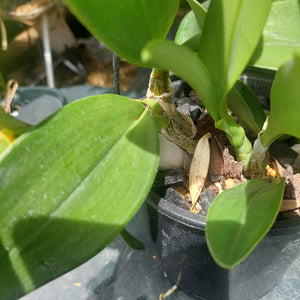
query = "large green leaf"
x=126 y=26
x=281 y=35
x=285 y=103
x=240 y=217
x=231 y=32
x=70 y=186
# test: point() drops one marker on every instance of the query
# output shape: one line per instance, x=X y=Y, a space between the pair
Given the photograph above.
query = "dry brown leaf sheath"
x=199 y=168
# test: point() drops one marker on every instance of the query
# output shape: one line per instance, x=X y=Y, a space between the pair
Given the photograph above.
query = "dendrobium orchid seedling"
x=71 y=184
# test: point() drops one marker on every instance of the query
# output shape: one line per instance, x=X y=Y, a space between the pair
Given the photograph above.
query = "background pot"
x=34 y=104
x=180 y=242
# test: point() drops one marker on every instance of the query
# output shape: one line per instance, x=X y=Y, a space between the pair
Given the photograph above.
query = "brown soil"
x=225 y=172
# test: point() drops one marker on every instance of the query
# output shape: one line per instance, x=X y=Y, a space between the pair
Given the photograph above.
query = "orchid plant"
x=71 y=184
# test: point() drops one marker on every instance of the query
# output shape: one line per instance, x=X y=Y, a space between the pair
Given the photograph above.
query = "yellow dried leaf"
x=199 y=168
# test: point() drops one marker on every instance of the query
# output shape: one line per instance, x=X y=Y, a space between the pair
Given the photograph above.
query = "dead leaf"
x=12 y=86
x=199 y=168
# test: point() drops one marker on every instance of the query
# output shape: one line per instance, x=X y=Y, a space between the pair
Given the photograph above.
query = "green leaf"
x=126 y=26
x=190 y=28
x=4 y=143
x=131 y=241
x=156 y=112
x=187 y=65
x=12 y=126
x=281 y=35
x=231 y=32
x=285 y=103
x=189 y=32
x=244 y=104
x=70 y=186
x=199 y=11
x=240 y=217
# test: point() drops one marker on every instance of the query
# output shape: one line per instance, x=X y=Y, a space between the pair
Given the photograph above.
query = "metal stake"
x=116 y=70
x=47 y=51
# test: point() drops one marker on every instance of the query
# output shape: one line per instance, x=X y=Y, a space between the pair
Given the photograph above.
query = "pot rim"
x=197 y=221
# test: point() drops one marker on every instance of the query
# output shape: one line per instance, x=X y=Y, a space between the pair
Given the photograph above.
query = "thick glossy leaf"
x=187 y=65
x=190 y=28
x=69 y=187
x=281 y=35
x=231 y=32
x=245 y=105
x=126 y=26
x=240 y=217
x=189 y=32
x=285 y=103
x=199 y=11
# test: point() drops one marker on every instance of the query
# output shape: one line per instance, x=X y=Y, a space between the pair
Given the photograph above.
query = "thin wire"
x=116 y=70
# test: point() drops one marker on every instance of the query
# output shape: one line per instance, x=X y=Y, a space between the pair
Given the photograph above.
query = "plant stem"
x=237 y=138
x=258 y=160
x=268 y=137
x=181 y=129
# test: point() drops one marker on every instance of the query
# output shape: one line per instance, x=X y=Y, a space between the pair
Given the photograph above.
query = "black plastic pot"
x=179 y=238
